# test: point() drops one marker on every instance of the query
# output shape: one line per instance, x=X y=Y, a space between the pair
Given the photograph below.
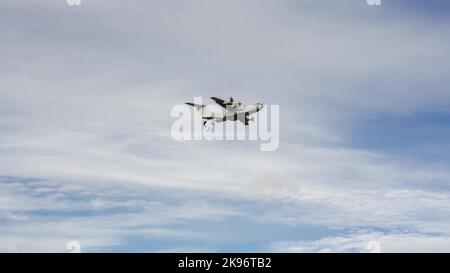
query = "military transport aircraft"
x=231 y=111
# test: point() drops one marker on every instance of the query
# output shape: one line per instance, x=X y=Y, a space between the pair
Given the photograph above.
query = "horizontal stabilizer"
x=204 y=111
x=197 y=106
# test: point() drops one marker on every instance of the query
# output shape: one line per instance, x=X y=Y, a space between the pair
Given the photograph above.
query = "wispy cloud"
x=85 y=123
x=361 y=242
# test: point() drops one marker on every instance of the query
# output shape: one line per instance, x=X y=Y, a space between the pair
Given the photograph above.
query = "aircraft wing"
x=220 y=102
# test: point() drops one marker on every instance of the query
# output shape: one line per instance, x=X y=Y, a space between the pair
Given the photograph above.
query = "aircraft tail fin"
x=204 y=111
x=197 y=106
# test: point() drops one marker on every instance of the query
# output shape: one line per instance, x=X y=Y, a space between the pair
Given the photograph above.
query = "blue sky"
x=85 y=146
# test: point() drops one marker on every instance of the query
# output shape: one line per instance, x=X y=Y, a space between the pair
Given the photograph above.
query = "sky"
x=86 y=152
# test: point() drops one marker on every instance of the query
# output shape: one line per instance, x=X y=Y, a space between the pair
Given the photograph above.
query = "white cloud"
x=91 y=106
x=360 y=242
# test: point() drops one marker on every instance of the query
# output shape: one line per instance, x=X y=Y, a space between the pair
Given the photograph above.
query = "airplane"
x=232 y=111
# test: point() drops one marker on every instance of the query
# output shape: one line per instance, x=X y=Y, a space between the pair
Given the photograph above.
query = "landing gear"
x=208 y=128
x=248 y=119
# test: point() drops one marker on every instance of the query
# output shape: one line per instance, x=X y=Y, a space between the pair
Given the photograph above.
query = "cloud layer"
x=85 y=146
